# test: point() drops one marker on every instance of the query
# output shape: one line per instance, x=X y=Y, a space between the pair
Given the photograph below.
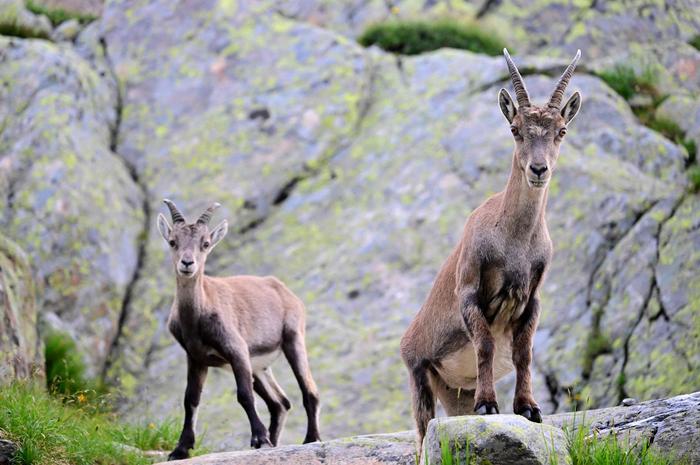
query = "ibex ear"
x=572 y=107
x=218 y=233
x=507 y=105
x=164 y=227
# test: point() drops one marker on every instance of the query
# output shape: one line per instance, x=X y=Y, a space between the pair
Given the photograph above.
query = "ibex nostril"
x=186 y=263
x=538 y=169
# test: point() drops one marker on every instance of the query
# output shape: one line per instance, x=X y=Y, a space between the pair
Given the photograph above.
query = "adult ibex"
x=241 y=321
x=481 y=314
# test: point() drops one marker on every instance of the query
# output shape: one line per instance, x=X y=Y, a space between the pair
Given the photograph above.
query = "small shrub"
x=694 y=176
x=58 y=15
x=415 y=37
x=625 y=81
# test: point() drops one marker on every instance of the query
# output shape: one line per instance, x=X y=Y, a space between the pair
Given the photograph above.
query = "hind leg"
x=294 y=350
x=456 y=402
x=423 y=400
x=266 y=387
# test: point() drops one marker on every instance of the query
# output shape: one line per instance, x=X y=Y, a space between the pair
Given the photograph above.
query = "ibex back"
x=480 y=317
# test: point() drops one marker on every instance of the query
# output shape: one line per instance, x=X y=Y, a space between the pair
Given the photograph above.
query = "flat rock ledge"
x=671 y=425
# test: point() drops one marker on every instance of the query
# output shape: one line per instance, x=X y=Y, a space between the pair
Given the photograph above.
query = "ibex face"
x=190 y=243
x=538 y=130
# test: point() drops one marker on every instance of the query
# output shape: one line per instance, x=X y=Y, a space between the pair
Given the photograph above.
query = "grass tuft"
x=65 y=369
x=51 y=431
x=415 y=37
x=625 y=81
x=694 y=176
x=58 y=15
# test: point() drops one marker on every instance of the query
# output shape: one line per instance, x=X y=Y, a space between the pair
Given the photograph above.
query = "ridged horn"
x=174 y=212
x=518 y=84
x=558 y=94
x=206 y=216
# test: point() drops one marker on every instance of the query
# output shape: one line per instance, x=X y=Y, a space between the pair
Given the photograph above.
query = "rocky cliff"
x=348 y=173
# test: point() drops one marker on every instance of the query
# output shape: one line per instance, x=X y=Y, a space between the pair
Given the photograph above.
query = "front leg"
x=237 y=355
x=523 y=334
x=196 y=375
x=484 y=344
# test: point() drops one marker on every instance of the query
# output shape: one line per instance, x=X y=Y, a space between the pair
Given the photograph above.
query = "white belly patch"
x=260 y=362
x=459 y=368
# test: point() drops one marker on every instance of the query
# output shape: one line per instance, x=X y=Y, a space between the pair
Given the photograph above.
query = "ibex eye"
x=562 y=132
x=172 y=244
x=205 y=245
x=515 y=131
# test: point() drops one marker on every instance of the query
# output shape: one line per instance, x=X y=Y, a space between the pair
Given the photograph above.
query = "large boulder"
x=498 y=439
x=21 y=354
x=65 y=197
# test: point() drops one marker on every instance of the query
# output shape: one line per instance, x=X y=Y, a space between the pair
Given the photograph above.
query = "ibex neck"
x=523 y=206
x=190 y=296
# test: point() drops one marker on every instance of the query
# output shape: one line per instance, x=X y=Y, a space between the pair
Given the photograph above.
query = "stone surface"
x=14 y=14
x=7 y=451
x=21 y=352
x=501 y=439
x=65 y=197
x=672 y=425
x=66 y=31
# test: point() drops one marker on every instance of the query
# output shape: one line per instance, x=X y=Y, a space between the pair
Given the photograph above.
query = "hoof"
x=309 y=439
x=178 y=454
x=258 y=441
x=486 y=408
x=531 y=413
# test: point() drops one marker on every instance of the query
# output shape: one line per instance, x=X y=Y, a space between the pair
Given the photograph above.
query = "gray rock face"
x=65 y=198
x=671 y=425
x=501 y=439
x=8 y=450
x=21 y=352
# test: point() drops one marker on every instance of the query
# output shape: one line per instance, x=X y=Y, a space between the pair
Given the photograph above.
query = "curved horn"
x=174 y=212
x=558 y=94
x=518 y=84
x=206 y=216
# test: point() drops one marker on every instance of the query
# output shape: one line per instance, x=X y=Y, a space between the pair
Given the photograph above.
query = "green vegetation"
x=587 y=449
x=65 y=370
x=71 y=420
x=415 y=37
x=50 y=430
x=630 y=85
x=625 y=81
x=695 y=41
x=583 y=447
x=12 y=28
x=58 y=15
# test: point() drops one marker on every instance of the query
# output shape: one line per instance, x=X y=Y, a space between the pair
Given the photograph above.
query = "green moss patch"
x=13 y=28
x=640 y=89
x=695 y=41
x=415 y=37
x=58 y=15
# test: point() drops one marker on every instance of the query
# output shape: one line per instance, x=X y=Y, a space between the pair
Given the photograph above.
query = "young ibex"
x=481 y=314
x=241 y=321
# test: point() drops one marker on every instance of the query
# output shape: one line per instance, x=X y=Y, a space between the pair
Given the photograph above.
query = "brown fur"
x=241 y=321
x=480 y=317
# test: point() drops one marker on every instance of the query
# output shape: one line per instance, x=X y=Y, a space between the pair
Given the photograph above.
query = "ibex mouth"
x=537 y=183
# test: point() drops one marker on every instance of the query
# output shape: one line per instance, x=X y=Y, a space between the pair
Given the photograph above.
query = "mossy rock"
x=21 y=354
